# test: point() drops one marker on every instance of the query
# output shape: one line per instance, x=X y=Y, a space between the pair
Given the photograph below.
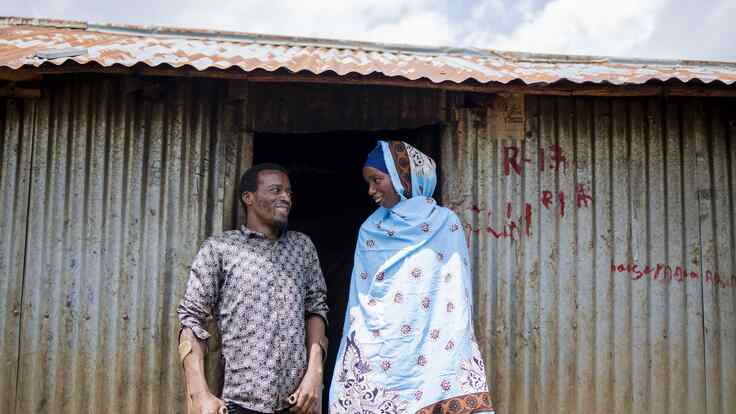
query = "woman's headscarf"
x=408 y=344
x=412 y=172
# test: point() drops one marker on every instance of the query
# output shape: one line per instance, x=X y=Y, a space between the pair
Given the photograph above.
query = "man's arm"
x=191 y=352
x=308 y=396
x=316 y=340
x=196 y=306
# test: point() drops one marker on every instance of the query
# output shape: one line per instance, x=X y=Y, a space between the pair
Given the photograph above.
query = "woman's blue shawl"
x=408 y=343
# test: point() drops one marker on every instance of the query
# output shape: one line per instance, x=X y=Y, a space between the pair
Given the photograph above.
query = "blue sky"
x=668 y=29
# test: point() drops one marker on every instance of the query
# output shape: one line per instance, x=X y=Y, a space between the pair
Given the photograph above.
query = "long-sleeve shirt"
x=260 y=292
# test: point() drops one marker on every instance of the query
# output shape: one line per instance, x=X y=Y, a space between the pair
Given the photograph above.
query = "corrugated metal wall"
x=604 y=243
x=716 y=179
x=108 y=187
x=124 y=183
x=605 y=253
x=16 y=117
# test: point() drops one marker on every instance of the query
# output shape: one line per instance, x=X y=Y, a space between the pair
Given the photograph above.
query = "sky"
x=663 y=29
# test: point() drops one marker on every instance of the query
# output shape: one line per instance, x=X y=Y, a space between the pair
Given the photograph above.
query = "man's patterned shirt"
x=260 y=292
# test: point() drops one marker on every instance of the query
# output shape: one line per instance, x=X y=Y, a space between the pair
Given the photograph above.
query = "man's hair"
x=249 y=179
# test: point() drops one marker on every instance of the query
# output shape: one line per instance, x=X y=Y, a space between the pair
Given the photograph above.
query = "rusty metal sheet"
x=122 y=192
x=15 y=163
x=715 y=177
x=594 y=290
x=25 y=41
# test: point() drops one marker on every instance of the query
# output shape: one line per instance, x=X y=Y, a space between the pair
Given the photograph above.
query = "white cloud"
x=486 y=7
x=581 y=27
x=423 y=28
x=693 y=29
x=404 y=21
x=645 y=28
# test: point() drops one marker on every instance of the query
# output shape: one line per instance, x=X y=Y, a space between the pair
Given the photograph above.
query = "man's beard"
x=281 y=225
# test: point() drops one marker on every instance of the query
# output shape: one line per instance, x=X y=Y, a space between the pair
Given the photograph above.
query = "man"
x=264 y=287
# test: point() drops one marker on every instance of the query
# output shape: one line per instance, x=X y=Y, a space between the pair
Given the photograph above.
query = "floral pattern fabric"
x=408 y=341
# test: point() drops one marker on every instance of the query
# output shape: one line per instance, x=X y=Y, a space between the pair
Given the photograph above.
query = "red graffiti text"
x=552 y=158
x=667 y=273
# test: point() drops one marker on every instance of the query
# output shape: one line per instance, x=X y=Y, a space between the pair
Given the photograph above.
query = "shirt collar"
x=252 y=234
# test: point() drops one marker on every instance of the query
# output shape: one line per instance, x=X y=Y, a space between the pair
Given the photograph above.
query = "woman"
x=408 y=344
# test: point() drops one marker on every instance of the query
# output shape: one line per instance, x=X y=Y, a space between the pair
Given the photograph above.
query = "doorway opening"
x=331 y=201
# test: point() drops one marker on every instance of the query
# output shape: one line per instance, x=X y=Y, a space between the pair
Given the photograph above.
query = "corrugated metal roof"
x=23 y=40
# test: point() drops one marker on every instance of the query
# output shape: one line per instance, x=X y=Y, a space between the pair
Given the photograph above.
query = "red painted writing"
x=514 y=226
x=514 y=161
x=561 y=197
x=547 y=198
x=510 y=228
x=582 y=196
x=667 y=273
x=517 y=224
x=511 y=160
x=558 y=158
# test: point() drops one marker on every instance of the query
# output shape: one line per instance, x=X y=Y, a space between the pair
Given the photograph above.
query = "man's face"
x=271 y=202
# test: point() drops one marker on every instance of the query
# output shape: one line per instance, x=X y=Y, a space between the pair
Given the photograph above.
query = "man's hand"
x=307 y=399
x=206 y=403
x=309 y=394
x=191 y=353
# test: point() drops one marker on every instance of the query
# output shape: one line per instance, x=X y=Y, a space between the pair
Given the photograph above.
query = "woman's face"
x=380 y=188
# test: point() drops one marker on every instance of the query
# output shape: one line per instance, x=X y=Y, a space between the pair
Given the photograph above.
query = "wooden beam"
x=496 y=87
x=559 y=89
x=19 y=75
x=12 y=90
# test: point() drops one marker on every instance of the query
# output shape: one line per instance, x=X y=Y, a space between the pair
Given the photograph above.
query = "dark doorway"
x=331 y=201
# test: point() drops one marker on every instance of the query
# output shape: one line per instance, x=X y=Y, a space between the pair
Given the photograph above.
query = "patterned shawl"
x=408 y=344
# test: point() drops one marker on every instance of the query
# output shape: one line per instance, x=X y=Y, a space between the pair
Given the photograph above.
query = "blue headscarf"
x=375 y=159
x=408 y=343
